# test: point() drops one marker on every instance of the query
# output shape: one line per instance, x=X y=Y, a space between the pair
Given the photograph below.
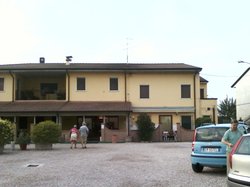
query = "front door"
x=94 y=125
x=166 y=122
x=166 y=126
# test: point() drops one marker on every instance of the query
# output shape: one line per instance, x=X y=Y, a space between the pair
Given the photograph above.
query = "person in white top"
x=84 y=131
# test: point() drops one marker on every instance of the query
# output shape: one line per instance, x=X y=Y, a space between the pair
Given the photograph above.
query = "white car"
x=239 y=174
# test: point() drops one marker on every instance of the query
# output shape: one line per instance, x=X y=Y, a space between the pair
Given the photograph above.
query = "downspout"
x=195 y=96
x=125 y=98
x=67 y=73
x=13 y=86
x=214 y=115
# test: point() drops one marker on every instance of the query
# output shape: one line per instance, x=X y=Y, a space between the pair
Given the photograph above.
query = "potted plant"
x=23 y=139
x=6 y=133
x=45 y=133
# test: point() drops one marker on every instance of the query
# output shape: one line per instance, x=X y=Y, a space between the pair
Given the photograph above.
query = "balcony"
x=40 y=86
x=37 y=95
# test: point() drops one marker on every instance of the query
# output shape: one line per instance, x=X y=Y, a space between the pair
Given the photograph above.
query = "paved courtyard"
x=105 y=165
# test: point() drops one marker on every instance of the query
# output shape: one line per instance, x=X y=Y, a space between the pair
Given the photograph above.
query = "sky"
x=211 y=34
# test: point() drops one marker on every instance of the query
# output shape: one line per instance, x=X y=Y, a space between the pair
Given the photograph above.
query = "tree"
x=227 y=110
x=202 y=120
x=145 y=127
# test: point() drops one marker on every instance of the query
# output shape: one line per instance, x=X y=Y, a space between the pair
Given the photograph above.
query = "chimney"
x=42 y=60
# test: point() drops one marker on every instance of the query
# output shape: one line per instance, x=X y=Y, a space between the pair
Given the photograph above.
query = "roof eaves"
x=234 y=84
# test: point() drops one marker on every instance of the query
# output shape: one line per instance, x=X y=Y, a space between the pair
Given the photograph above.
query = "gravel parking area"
x=106 y=165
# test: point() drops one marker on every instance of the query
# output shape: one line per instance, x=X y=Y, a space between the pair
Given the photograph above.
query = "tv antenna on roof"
x=68 y=59
x=127 y=47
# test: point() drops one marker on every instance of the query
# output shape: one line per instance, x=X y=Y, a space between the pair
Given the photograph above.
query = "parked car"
x=207 y=148
x=239 y=159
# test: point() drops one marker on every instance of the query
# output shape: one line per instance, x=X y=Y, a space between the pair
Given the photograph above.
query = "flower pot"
x=1 y=148
x=23 y=146
x=114 y=138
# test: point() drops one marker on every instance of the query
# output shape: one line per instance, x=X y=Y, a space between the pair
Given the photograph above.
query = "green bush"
x=145 y=127
x=46 y=132
x=23 y=137
x=202 y=120
x=6 y=131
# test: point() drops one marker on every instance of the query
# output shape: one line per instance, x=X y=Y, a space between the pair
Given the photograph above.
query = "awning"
x=19 y=107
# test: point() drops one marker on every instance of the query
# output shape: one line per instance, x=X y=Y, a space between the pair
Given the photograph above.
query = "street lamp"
x=241 y=61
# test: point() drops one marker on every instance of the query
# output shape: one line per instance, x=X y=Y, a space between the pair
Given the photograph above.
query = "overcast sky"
x=211 y=34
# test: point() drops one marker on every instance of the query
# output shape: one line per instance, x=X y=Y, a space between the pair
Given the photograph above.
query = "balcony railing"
x=38 y=95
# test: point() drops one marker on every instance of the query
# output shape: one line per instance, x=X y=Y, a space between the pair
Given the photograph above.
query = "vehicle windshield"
x=243 y=129
x=244 y=147
x=210 y=134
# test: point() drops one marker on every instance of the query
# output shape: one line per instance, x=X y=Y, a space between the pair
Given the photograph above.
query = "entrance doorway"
x=94 y=125
x=166 y=127
x=166 y=122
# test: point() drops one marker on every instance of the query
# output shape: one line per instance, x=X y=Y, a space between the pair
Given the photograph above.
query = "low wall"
x=133 y=134
x=108 y=135
x=184 y=135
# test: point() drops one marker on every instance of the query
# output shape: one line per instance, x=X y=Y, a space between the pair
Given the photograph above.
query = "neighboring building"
x=243 y=96
x=108 y=96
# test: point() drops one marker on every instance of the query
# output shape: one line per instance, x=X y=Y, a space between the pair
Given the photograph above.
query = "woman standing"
x=73 y=134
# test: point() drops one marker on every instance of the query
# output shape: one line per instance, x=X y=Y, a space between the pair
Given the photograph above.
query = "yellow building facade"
x=108 y=97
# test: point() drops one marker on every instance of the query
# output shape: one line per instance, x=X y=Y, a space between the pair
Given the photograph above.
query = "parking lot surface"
x=106 y=165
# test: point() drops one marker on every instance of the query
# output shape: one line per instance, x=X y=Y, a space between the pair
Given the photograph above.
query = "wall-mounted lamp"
x=133 y=118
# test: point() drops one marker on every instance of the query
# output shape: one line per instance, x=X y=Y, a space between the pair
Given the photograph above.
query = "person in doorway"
x=73 y=134
x=230 y=137
x=84 y=131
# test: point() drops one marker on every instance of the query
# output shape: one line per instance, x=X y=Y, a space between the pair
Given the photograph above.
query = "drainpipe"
x=214 y=115
x=13 y=86
x=125 y=84
x=67 y=73
x=195 y=96
x=125 y=97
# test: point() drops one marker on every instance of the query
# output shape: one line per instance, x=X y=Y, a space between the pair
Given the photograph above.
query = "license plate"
x=210 y=150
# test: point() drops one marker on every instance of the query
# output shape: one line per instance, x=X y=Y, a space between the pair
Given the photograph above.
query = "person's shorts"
x=84 y=138
x=73 y=137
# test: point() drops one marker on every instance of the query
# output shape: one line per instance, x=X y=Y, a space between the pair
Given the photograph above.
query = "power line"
x=230 y=76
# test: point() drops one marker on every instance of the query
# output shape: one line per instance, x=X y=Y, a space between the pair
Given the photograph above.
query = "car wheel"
x=197 y=168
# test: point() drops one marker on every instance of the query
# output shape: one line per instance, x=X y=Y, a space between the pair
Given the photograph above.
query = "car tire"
x=197 y=168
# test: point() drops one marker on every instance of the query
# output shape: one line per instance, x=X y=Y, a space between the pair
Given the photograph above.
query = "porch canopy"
x=20 y=108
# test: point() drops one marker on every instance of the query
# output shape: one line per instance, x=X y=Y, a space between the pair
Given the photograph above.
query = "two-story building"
x=243 y=96
x=107 y=96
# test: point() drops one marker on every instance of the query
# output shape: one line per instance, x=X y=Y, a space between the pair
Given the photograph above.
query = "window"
x=80 y=83
x=185 y=91
x=1 y=84
x=210 y=134
x=202 y=94
x=186 y=122
x=48 y=88
x=244 y=146
x=144 y=91
x=166 y=122
x=113 y=84
x=112 y=122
